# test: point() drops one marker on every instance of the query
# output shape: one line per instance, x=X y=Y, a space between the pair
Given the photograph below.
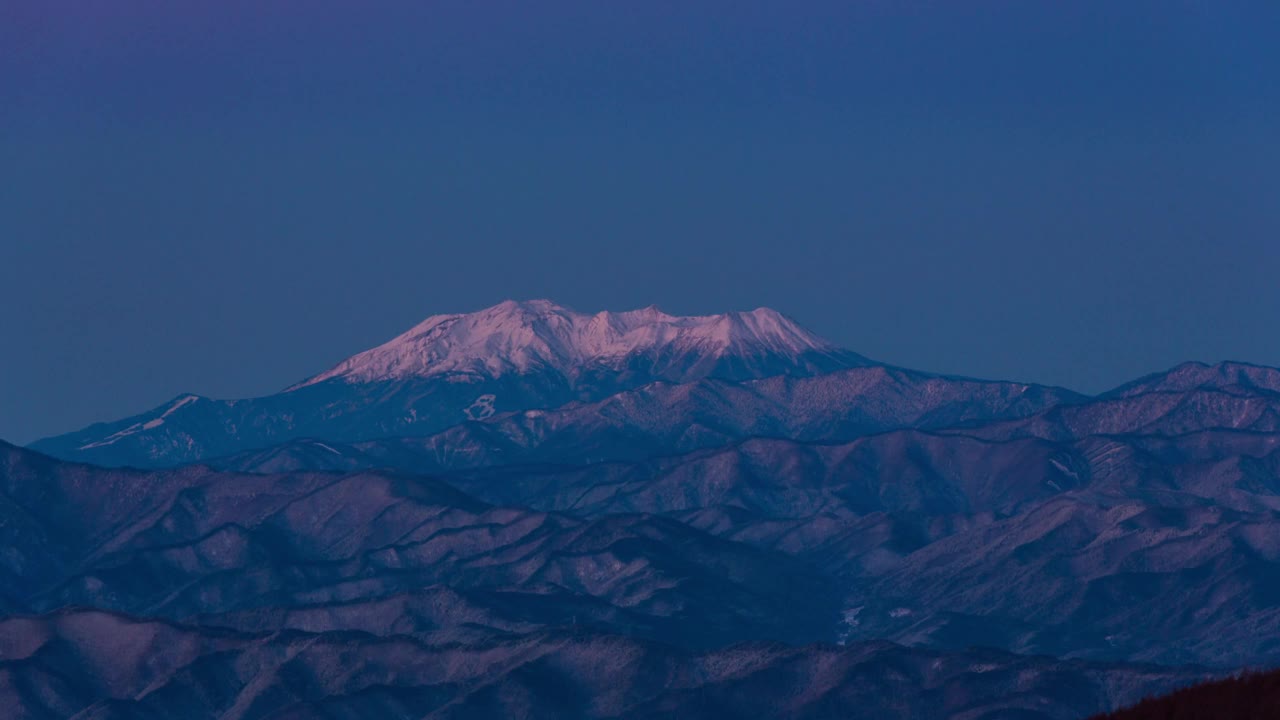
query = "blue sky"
x=226 y=198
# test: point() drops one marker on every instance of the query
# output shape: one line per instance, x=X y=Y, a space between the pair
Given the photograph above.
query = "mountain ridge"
x=539 y=357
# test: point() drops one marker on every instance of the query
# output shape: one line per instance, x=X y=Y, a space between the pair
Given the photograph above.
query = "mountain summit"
x=538 y=335
x=453 y=368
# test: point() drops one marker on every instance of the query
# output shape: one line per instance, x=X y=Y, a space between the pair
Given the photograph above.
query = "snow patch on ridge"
x=482 y=408
x=1064 y=469
x=138 y=427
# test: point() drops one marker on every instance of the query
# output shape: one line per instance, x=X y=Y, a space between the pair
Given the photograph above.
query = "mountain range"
x=533 y=512
x=198 y=593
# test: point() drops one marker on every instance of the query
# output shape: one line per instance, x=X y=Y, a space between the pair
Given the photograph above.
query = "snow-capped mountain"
x=453 y=368
x=522 y=338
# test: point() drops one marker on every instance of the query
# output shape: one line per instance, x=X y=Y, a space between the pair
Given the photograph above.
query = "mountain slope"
x=1244 y=378
x=1147 y=547
x=380 y=550
x=93 y=665
x=664 y=419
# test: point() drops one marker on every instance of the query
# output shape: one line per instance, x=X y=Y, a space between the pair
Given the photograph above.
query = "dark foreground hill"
x=1252 y=696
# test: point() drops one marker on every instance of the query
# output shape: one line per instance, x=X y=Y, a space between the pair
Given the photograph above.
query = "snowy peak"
x=539 y=335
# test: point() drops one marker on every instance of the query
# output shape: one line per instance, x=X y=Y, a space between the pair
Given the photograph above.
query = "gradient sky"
x=225 y=197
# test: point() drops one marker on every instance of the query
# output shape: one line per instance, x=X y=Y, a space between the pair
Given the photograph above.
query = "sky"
x=224 y=198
